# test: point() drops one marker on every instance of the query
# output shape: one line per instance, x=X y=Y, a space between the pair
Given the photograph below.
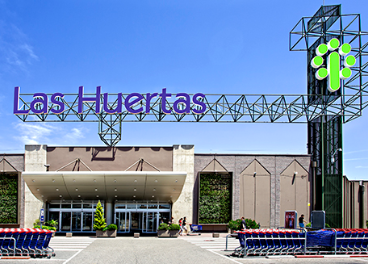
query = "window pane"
x=76 y=221
x=65 y=221
x=87 y=221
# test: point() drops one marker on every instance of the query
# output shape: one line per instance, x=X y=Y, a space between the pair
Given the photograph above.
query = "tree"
x=100 y=222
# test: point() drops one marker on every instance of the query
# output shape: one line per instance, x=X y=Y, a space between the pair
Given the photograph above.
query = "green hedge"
x=215 y=199
x=8 y=198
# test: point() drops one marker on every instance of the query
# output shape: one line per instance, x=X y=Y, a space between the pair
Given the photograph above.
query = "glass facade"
x=72 y=216
x=140 y=216
x=78 y=216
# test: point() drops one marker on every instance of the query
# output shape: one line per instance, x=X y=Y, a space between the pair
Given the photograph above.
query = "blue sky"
x=143 y=46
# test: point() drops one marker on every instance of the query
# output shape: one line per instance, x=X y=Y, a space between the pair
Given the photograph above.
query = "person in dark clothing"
x=184 y=224
x=243 y=224
x=301 y=221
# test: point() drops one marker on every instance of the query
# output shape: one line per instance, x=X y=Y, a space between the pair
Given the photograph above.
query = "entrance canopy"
x=106 y=185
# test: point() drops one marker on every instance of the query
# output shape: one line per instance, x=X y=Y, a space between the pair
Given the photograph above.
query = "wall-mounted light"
x=333 y=155
x=76 y=189
x=96 y=190
x=116 y=190
x=57 y=189
x=254 y=174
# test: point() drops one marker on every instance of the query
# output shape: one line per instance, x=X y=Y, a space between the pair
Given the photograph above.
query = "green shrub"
x=251 y=224
x=45 y=227
x=174 y=227
x=53 y=223
x=234 y=224
x=112 y=227
x=36 y=223
x=163 y=226
x=327 y=225
x=309 y=225
x=100 y=222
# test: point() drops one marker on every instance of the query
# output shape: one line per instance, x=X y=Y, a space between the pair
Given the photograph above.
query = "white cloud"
x=32 y=133
x=15 y=51
x=46 y=133
x=74 y=135
x=361 y=167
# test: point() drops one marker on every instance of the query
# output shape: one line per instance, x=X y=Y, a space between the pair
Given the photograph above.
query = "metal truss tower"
x=325 y=140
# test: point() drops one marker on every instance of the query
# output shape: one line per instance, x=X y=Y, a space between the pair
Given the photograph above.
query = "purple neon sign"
x=182 y=104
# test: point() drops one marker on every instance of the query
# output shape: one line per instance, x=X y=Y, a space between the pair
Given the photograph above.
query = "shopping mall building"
x=141 y=186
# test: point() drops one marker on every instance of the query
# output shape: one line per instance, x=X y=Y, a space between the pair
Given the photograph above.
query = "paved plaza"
x=149 y=250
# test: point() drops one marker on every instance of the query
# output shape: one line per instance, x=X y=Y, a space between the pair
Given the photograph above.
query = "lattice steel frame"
x=325 y=132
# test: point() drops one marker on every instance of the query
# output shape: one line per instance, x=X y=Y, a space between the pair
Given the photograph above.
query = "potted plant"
x=174 y=230
x=99 y=221
x=163 y=230
x=111 y=230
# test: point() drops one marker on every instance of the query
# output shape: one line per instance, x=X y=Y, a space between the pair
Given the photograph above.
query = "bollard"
x=215 y=235
x=136 y=235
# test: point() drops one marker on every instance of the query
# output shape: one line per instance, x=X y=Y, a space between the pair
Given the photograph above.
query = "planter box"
x=163 y=233
x=174 y=233
x=107 y=233
x=168 y=233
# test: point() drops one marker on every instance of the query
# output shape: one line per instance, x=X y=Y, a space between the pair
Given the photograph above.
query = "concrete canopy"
x=106 y=185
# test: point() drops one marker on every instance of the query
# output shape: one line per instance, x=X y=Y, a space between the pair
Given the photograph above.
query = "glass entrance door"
x=135 y=221
x=122 y=221
x=65 y=221
x=149 y=222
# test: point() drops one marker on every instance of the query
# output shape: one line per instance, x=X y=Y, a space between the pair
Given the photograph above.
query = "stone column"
x=183 y=160
x=34 y=160
x=109 y=213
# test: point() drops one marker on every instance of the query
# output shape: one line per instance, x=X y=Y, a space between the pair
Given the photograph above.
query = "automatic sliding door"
x=87 y=221
x=65 y=221
x=123 y=221
x=76 y=221
x=149 y=222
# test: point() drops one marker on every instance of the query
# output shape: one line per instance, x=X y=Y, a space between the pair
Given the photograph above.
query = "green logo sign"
x=333 y=63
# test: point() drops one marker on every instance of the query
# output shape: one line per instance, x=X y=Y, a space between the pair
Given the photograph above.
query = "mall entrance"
x=78 y=216
x=142 y=217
